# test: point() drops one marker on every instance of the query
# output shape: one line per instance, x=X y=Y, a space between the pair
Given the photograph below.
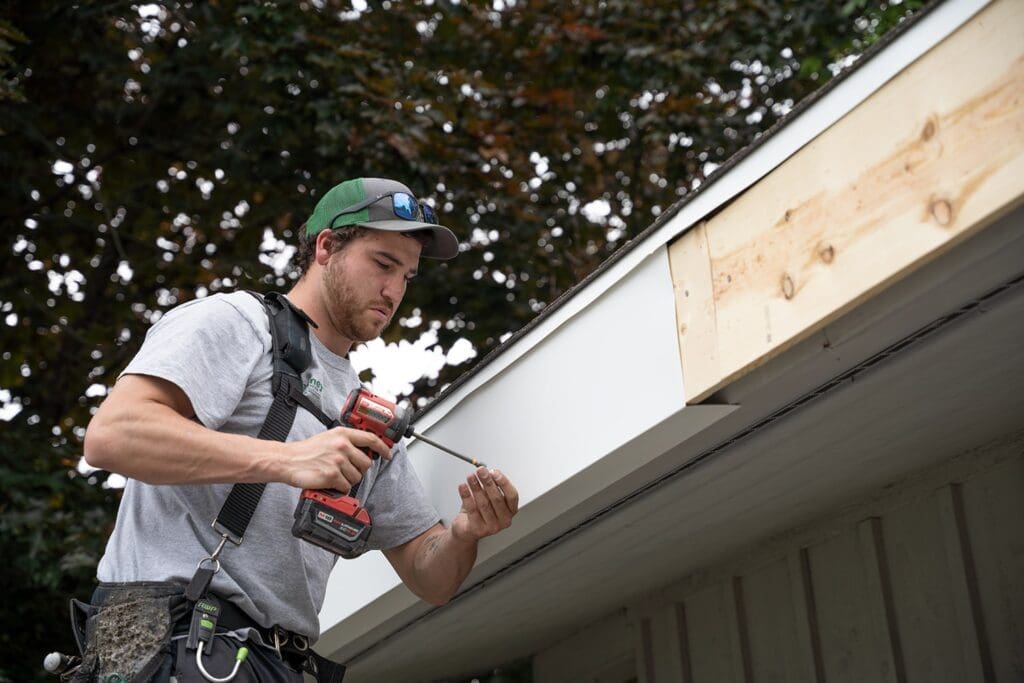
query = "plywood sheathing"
x=932 y=157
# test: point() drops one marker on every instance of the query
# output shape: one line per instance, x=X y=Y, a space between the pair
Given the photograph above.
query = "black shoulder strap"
x=291 y=356
x=289 y=334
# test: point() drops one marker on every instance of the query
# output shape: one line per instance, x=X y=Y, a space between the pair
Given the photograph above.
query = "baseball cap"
x=381 y=204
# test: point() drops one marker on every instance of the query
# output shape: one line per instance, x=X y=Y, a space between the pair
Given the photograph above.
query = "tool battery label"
x=337 y=525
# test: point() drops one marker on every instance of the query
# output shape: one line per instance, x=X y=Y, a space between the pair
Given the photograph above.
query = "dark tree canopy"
x=153 y=153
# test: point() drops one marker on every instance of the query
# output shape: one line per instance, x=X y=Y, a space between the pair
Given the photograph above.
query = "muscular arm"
x=144 y=430
x=434 y=564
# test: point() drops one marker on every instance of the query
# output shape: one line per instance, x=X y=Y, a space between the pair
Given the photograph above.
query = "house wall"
x=923 y=581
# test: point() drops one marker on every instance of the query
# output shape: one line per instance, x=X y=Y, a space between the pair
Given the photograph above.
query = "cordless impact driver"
x=334 y=520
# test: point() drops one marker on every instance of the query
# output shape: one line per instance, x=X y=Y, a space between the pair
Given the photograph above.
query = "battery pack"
x=336 y=523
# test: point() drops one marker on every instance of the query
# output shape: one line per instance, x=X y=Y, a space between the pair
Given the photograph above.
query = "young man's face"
x=364 y=283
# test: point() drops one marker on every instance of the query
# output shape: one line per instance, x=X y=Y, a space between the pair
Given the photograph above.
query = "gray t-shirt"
x=218 y=351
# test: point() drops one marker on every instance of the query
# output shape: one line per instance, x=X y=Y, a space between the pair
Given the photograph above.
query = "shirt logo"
x=314 y=389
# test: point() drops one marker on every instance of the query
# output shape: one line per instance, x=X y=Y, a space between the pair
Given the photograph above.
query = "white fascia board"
x=556 y=407
x=592 y=385
x=600 y=398
x=783 y=143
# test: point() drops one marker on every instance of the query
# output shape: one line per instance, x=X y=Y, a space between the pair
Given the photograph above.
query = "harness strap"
x=291 y=356
x=289 y=335
x=323 y=669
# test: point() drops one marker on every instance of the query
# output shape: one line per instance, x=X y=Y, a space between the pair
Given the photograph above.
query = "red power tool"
x=333 y=520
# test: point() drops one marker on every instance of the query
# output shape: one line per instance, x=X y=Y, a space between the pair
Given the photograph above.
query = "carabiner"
x=200 y=582
x=212 y=559
x=243 y=652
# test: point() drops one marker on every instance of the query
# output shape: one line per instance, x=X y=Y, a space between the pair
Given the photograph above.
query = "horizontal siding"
x=927 y=587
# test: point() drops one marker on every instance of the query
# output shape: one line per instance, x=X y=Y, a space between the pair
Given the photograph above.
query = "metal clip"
x=279 y=642
x=200 y=582
x=239 y=658
x=220 y=547
x=213 y=556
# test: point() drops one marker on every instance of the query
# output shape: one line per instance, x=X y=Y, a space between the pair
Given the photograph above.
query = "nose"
x=393 y=289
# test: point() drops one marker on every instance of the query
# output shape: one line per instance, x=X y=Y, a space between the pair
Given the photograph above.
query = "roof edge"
x=927 y=28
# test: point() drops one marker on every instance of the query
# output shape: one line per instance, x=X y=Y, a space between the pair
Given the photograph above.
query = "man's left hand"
x=489 y=501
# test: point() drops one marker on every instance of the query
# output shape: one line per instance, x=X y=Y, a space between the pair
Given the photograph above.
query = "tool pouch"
x=125 y=635
x=80 y=613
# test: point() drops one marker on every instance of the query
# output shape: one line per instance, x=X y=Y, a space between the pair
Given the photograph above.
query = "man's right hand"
x=333 y=459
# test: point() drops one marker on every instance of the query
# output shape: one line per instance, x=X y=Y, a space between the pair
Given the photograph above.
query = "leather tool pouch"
x=126 y=634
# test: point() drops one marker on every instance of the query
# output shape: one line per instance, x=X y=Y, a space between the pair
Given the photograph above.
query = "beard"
x=351 y=311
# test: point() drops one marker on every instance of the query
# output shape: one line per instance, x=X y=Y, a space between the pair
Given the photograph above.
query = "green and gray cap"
x=381 y=204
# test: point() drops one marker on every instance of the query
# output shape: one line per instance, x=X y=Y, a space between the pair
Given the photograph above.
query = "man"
x=181 y=420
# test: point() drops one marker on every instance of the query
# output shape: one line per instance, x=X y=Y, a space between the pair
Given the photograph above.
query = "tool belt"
x=128 y=634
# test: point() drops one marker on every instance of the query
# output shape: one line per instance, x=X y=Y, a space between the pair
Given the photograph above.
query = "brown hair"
x=340 y=238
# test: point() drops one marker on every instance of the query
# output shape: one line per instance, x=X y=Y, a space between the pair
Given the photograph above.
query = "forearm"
x=152 y=442
x=441 y=564
x=434 y=564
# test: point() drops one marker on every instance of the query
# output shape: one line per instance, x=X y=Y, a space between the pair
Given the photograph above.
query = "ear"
x=323 y=247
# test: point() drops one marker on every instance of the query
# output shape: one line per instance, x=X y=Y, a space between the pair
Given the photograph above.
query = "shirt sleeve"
x=398 y=505
x=208 y=348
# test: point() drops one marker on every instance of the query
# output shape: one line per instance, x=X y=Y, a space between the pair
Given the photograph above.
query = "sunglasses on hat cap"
x=403 y=204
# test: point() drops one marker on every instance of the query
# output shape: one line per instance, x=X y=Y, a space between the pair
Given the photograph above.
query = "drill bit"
x=471 y=461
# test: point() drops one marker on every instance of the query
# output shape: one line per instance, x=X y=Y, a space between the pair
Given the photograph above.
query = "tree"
x=153 y=153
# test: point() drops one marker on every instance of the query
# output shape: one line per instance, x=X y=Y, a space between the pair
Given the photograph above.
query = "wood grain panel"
x=693 y=287
x=930 y=158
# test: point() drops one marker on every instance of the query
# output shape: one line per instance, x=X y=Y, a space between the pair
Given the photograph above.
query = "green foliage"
x=152 y=153
x=9 y=87
x=53 y=526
